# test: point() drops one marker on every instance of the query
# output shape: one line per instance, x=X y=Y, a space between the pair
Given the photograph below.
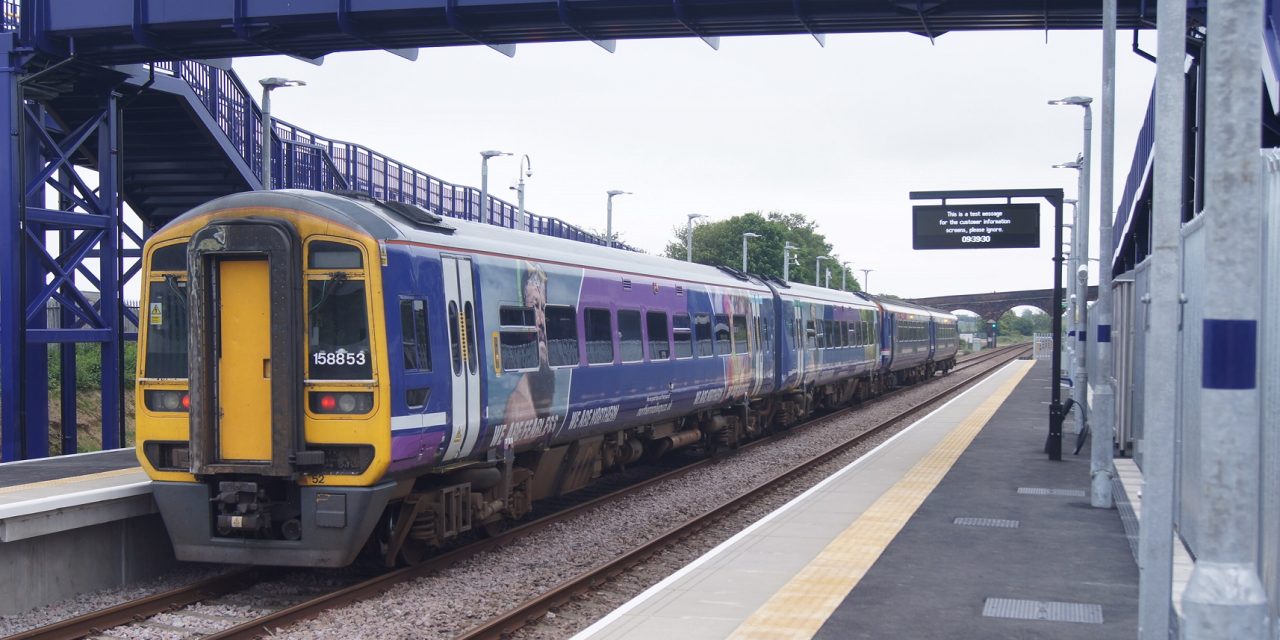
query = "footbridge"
x=990 y=306
x=116 y=106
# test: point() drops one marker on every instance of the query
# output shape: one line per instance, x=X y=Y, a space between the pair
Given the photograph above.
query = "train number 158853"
x=338 y=358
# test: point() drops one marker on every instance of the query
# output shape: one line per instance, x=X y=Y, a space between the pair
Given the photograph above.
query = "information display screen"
x=976 y=226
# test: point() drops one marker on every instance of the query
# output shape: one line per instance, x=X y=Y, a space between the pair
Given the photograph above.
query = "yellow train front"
x=260 y=454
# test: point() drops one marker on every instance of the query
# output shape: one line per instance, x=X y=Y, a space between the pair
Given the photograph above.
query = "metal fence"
x=9 y=19
x=306 y=160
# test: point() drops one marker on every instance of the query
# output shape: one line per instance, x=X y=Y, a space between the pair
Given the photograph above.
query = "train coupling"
x=243 y=507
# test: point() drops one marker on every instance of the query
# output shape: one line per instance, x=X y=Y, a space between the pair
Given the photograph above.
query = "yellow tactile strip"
x=800 y=607
x=71 y=480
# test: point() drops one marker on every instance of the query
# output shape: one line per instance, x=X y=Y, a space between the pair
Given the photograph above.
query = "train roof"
x=800 y=291
x=385 y=223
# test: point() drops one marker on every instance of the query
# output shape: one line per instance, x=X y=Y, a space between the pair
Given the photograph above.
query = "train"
x=327 y=376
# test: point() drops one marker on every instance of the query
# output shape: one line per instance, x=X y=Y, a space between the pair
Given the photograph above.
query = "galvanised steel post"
x=688 y=236
x=1102 y=426
x=866 y=280
x=786 y=261
x=817 y=271
x=1224 y=596
x=1155 y=544
x=1080 y=384
x=267 y=135
x=745 y=236
x=11 y=307
x=608 y=229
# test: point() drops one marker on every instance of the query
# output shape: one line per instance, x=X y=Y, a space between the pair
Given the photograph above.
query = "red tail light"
x=327 y=402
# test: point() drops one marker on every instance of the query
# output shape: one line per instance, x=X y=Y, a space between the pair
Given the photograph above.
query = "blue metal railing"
x=306 y=160
x=9 y=17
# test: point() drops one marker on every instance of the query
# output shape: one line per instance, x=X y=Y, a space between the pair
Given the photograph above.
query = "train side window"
x=562 y=336
x=681 y=331
x=740 y=344
x=469 y=315
x=455 y=340
x=659 y=338
x=810 y=334
x=413 y=335
x=518 y=338
x=629 y=337
x=723 y=345
x=597 y=324
x=702 y=333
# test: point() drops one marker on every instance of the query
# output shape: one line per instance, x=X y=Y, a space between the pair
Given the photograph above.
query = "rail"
x=302 y=159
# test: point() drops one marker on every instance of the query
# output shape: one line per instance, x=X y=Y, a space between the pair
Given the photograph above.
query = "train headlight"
x=167 y=400
x=344 y=402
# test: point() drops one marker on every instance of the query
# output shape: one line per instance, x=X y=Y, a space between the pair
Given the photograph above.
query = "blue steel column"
x=35 y=409
x=11 y=273
x=1224 y=596
x=67 y=357
x=109 y=270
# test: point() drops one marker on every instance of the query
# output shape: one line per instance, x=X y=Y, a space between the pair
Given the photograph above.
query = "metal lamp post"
x=817 y=270
x=1079 y=253
x=745 y=236
x=484 y=181
x=268 y=123
x=844 y=276
x=608 y=224
x=688 y=236
x=866 y=279
x=526 y=171
x=786 y=261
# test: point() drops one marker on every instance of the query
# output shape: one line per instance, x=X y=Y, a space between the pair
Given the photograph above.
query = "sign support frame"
x=1053 y=444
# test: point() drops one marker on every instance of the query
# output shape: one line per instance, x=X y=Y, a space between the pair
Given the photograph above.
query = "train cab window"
x=702 y=333
x=740 y=333
x=518 y=338
x=598 y=325
x=629 y=337
x=562 y=336
x=338 y=330
x=723 y=346
x=681 y=331
x=659 y=340
x=333 y=255
x=166 y=321
x=170 y=258
x=413 y=335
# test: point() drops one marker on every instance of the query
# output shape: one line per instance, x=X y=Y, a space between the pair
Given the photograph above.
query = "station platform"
x=957 y=527
x=76 y=523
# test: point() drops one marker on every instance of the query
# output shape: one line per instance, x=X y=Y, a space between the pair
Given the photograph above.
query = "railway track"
x=176 y=605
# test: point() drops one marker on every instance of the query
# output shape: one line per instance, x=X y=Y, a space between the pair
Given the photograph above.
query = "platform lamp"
x=844 y=276
x=268 y=123
x=688 y=236
x=817 y=270
x=484 y=181
x=787 y=248
x=526 y=171
x=608 y=221
x=745 y=236
x=866 y=280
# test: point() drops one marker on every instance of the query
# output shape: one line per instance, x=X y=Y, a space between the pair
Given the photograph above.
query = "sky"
x=841 y=134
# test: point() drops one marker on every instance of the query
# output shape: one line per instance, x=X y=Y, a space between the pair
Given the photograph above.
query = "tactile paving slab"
x=1038 y=491
x=1042 y=610
x=986 y=522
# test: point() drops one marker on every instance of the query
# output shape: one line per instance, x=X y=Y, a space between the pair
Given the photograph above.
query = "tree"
x=720 y=243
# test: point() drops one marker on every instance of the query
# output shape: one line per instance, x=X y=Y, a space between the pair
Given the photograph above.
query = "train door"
x=460 y=307
x=244 y=360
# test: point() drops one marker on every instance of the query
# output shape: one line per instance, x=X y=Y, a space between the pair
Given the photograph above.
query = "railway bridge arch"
x=990 y=306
